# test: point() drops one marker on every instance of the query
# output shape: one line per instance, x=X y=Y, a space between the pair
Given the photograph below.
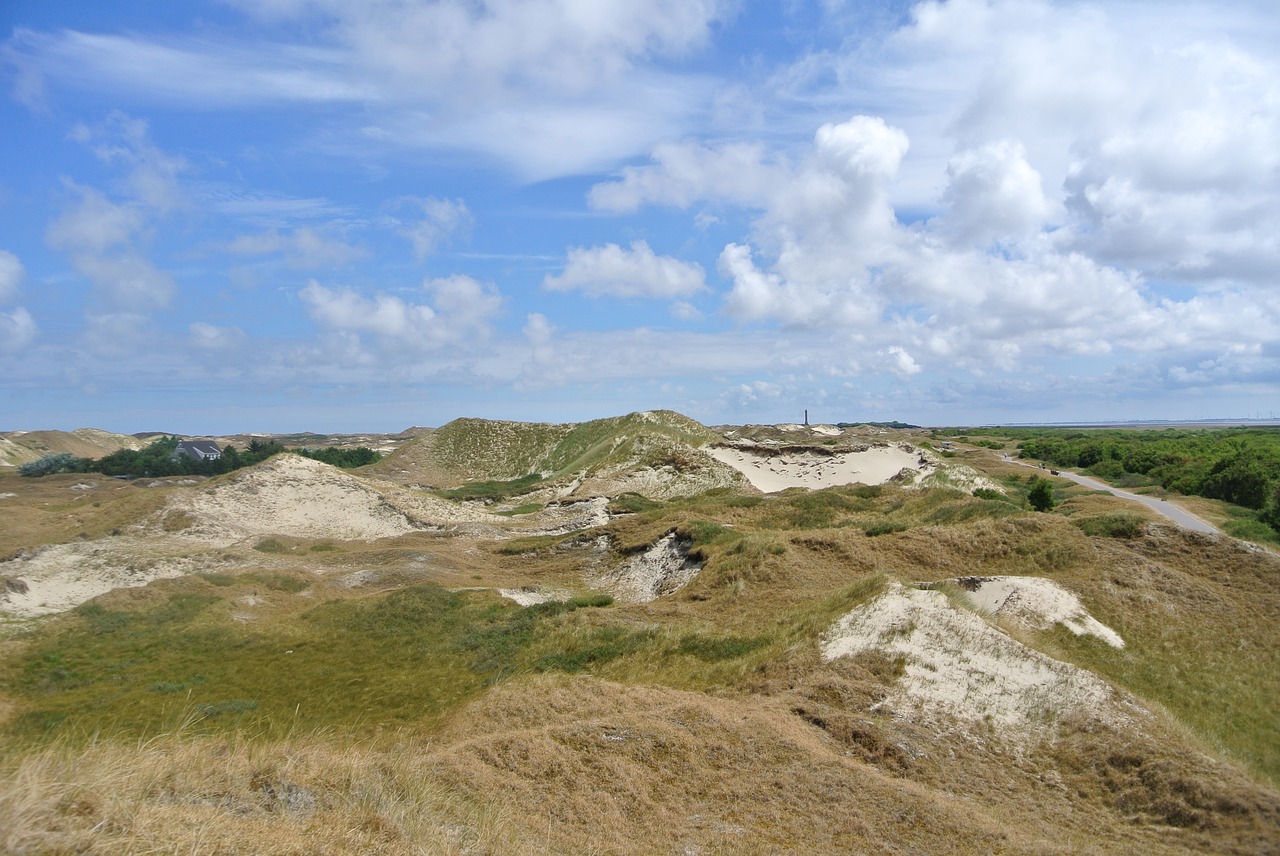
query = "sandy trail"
x=1163 y=507
x=813 y=470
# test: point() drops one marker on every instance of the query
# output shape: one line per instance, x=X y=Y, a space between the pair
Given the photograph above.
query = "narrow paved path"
x=1183 y=518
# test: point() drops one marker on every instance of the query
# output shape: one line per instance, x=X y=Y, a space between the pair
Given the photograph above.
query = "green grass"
x=602 y=645
x=632 y=503
x=1218 y=687
x=411 y=655
x=527 y=508
x=712 y=649
x=1120 y=525
x=493 y=490
x=275 y=582
x=270 y=545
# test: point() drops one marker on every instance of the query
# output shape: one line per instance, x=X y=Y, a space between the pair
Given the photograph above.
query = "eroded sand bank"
x=771 y=470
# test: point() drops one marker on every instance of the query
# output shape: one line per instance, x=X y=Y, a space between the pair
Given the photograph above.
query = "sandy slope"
x=771 y=471
x=298 y=497
x=287 y=495
x=20 y=447
x=959 y=670
x=63 y=576
x=1036 y=603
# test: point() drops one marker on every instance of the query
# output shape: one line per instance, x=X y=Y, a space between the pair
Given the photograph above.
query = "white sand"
x=66 y=575
x=662 y=569
x=534 y=595
x=960 y=670
x=814 y=470
x=1036 y=603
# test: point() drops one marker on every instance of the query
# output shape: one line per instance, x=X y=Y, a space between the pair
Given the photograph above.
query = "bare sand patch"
x=63 y=576
x=1037 y=603
x=958 y=669
x=662 y=569
x=534 y=595
x=770 y=470
x=295 y=496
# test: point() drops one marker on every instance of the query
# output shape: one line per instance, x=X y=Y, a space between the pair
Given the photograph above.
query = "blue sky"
x=284 y=215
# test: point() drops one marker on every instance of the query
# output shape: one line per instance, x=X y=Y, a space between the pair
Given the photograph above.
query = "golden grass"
x=701 y=722
x=53 y=510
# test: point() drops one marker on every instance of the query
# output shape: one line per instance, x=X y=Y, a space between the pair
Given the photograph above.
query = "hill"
x=294 y=658
x=21 y=447
x=658 y=453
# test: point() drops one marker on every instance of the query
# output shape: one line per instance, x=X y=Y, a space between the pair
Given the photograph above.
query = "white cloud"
x=994 y=195
x=127 y=281
x=106 y=239
x=153 y=174
x=17 y=330
x=990 y=284
x=686 y=311
x=209 y=337
x=461 y=315
x=611 y=271
x=115 y=335
x=534 y=84
x=442 y=220
x=11 y=275
x=897 y=360
x=302 y=247
x=94 y=224
x=682 y=173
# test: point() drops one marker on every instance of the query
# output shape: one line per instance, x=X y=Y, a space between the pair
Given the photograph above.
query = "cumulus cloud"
x=11 y=275
x=611 y=271
x=897 y=360
x=462 y=312
x=994 y=195
x=988 y=284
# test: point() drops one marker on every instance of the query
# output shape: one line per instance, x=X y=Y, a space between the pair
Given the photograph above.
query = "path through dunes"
x=1163 y=507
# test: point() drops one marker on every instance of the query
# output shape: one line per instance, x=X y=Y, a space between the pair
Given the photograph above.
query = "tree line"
x=1238 y=465
x=159 y=459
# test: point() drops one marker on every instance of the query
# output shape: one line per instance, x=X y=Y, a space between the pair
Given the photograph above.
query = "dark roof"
x=207 y=447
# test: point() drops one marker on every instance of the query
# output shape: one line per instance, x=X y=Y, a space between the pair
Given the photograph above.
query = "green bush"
x=1121 y=525
x=1041 y=494
x=62 y=462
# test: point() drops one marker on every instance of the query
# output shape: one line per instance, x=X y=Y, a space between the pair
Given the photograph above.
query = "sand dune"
x=769 y=471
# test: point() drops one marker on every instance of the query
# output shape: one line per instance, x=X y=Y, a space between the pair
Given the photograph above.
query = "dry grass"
x=561 y=764
x=187 y=794
x=55 y=509
x=702 y=722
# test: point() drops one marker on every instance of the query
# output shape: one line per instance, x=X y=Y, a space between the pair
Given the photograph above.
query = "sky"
x=220 y=216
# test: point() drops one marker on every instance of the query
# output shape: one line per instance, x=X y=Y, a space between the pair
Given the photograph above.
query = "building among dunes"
x=200 y=450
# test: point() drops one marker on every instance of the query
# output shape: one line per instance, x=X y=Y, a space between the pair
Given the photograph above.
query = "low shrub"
x=1122 y=525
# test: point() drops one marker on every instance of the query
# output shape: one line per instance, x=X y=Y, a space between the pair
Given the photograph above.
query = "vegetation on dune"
x=360 y=456
x=1240 y=466
x=263 y=702
x=158 y=460
x=493 y=457
x=411 y=655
